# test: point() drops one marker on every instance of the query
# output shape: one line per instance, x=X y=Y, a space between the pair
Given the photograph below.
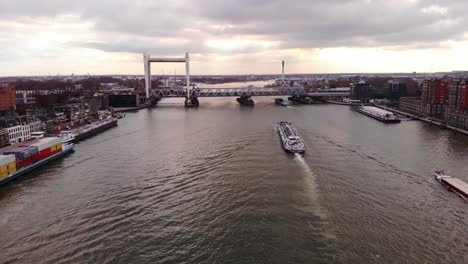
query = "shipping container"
x=22 y=152
x=3 y=174
x=8 y=167
x=47 y=142
x=28 y=142
x=56 y=147
x=45 y=153
x=6 y=159
x=11 y=165
x=23 y=163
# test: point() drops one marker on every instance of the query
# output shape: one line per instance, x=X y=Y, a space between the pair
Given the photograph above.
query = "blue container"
x=22 y=152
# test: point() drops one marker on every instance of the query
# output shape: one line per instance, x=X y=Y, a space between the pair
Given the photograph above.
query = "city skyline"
x=232 y=37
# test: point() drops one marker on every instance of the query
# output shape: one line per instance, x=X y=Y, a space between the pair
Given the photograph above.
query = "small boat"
x=67 y=136
x=453 y=184
x=290 y=139
x=118 y=115
x=245 y=100
x=281 y=101
x=36 y=135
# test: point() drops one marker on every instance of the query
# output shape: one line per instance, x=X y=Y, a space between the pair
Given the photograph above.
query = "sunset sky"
x=41 y=37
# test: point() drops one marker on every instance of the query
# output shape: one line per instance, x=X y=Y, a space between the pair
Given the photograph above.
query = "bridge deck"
x=247 y=91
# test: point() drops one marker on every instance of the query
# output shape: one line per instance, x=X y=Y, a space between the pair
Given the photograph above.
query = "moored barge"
x=89 y=130
x=378 y=114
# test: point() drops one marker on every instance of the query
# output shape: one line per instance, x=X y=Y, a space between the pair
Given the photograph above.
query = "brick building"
x=7 y=97
x=435 y=97
x=457 y=110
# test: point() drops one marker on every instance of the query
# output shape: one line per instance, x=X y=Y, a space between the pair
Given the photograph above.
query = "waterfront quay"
x=427 y=120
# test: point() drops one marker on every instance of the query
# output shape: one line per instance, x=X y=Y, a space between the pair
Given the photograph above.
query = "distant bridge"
x=245 y=91
x=191 y=94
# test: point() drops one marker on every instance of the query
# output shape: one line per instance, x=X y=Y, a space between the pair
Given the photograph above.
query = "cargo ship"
x=27 y=156
x=290 y=139
x=453 y=184
x=86 y=131
x=281 y=101
x=378 y=114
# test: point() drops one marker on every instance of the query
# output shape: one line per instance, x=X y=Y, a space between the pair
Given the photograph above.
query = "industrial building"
x=393 y=90
x=361 y=91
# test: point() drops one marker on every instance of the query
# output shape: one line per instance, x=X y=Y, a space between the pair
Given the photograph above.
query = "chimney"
x=282 y=73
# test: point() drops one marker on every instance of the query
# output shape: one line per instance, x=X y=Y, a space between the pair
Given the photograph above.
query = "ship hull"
x=453 y=184
x=35 y=165
x=94 y=131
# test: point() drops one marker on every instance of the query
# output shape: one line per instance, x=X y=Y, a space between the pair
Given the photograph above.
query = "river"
x=213 y=185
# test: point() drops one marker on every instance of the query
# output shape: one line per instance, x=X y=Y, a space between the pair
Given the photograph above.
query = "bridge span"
x=191 y=94
x=246 y=92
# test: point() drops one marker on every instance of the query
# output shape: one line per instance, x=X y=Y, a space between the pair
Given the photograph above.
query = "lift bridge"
x=191 y=94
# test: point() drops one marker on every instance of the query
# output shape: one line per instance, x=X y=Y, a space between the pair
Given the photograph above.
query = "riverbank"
x=427 y=120
x=129 y=109
x=349 y=104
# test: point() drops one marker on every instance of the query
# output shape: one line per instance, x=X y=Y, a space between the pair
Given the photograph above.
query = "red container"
x=35 y=158
x=45 y=153
x=18 y=164
x=23 y=163
x=27 y=162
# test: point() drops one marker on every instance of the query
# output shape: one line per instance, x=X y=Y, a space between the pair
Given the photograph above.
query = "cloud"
x=229 y=26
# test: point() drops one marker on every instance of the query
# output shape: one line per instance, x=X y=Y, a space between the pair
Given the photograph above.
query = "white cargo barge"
x=290 y=139
x=378 y=114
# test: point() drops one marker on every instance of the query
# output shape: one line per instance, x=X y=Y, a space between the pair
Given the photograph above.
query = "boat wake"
x=311 y=185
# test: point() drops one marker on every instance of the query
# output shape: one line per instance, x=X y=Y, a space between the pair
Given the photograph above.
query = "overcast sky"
x=40 y=37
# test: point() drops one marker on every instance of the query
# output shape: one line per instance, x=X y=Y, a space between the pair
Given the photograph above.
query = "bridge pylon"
x=147 y=60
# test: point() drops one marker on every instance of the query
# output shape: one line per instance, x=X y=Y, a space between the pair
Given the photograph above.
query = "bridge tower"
x=190 y=100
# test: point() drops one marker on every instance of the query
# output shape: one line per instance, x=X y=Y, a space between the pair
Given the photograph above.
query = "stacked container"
x=22 y=152
x=25 y=156
x=32 y=151
x=48 y=146
x=7 y=165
